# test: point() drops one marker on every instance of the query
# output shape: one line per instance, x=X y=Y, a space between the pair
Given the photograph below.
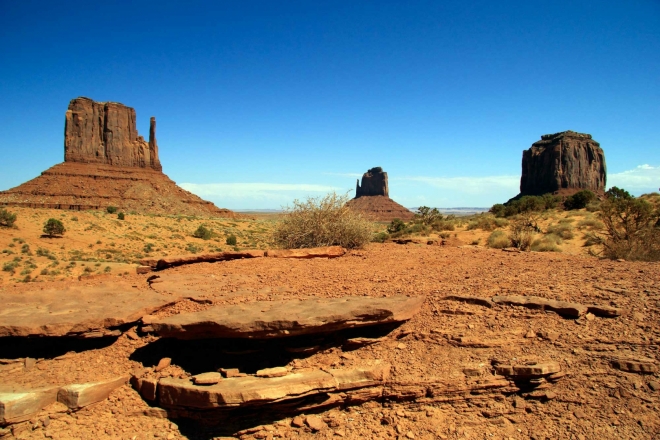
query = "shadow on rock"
x=248 y=355
x=48 y=347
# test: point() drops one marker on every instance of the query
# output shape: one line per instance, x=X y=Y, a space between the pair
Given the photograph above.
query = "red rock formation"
x=563 y=161
x=108 y=164
x=372 y=198
x=105 y=133
x=374 y=183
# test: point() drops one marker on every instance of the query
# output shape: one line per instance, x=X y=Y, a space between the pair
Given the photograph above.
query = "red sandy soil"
x=595 y=400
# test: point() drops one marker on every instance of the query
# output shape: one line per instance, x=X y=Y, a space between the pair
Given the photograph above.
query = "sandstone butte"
x=563 y=163
x=373 y=200
x=107 y=163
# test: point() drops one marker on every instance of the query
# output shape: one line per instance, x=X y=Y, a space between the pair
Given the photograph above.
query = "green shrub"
x=148 y=247
x=7 y=219
x=325 y=221
x=203 y=232
x=590 y=223
x=54 y=227
x=111 y=209
x=487 y=223
x=498 y=210
x=631 y=227
x=231 y=240
x=427 y=216
x=448 y=224
x=380 y=237
x=121 y=216
x=10 y=266
x=522 y=231
x=498 y=240
x=579 y=200
x=396 y=225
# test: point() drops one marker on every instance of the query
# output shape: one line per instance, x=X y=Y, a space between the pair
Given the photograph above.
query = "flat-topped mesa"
x=106 y=133
x=374 y=183
x=563 y=161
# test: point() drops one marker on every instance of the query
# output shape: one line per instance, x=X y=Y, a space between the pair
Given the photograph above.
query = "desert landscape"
x=132 y=309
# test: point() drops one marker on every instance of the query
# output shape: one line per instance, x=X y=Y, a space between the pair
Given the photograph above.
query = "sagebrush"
x=322 y=221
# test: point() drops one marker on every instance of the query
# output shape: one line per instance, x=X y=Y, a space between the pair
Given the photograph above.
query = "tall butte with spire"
x=372 y=198
x=107 y=163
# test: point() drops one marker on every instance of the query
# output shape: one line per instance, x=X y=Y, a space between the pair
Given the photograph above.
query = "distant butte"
x=107 y=163
x=563 y=163
x=373 y=200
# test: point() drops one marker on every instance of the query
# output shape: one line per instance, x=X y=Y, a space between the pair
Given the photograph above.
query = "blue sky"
x=261 y=102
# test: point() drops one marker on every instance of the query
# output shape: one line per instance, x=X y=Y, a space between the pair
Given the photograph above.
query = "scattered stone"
x=653 y=385
x=80 y=395
x=297 y=422
x=157 y=413
x=320 y=252
x=162 y=364
x=143 y=269
x=530 y=334
x=207 y=378
x=354 y=343
x=315 y=423
x=275 y=319
x=273 y=372
x=578 y=413
x=604 y=311
x=549 y=335
x=563 y=308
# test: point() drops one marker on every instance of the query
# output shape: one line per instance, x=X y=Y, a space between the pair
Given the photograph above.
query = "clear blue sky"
x=261 y=102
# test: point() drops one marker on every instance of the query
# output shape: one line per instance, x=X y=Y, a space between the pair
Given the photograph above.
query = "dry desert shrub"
x=487 y=222
x=563 y=230
x=322 y=221
x=547 y=244
x=498 y=240
x=7 y=218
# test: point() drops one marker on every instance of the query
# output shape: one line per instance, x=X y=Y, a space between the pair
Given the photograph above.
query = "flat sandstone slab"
x=274 y=319
x=258 y=390
x=563 y=308
x=76 y=310
x=172 y=261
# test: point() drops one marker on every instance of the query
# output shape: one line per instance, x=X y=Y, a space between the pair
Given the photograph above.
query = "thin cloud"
x=643 y=178
x=254 y=191
x=468 y=185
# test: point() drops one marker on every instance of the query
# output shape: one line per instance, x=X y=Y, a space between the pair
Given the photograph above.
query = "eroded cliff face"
x=374 y=183
x=105 y=133
x=565 y=160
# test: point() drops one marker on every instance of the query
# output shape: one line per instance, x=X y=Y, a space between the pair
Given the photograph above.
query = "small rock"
x=653 y=385
x=472 y=372
x=315 y=423
x=297 y=422
x=549 y=335
x=590 y=316
x=549 y=395
x=410 y=434
x=231 y=372
x=130 y=334
x=273 y=372
x=207 y=378
x=530 y=334
x=162 y=364
x=29 y=363
x=401 y=346
x=578 y=413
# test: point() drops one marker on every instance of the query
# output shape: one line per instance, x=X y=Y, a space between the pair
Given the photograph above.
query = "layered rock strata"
x=562 y=162
x=106 y=133
x=372 y=198
x=277 y=319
